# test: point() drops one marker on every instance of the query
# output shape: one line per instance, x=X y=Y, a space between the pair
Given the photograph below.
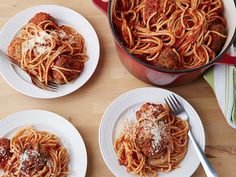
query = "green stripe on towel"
x=227 y=87
x=234 y=104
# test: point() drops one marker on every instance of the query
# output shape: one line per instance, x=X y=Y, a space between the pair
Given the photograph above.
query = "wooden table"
x=85 y=107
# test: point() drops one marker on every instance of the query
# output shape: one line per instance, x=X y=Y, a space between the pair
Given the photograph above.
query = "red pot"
x=163 y=77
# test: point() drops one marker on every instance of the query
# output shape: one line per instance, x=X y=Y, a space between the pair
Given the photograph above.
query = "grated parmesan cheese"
x=63 y=35
x=42 y=49
x=157 y=132
x=25 y=156
x=149 y=113
x=39 y=42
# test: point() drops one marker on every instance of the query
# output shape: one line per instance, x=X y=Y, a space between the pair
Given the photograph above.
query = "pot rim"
x=214 y=60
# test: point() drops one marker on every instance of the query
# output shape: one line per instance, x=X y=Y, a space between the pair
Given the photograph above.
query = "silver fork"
x=51 y=85
x=177 y=109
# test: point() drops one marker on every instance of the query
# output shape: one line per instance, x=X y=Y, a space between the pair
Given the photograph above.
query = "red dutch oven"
x=163 y=77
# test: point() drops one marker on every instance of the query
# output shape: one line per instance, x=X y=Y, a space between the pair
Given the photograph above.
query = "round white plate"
x=123 y=108
x=17 y=79
x=51 y=122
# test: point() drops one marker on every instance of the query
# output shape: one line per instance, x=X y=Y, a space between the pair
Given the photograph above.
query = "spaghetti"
x=157 y=142
x=36 y=153
x=171 y=34
x=49 y=52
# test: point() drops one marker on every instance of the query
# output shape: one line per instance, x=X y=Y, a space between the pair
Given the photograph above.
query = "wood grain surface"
x=85 y=107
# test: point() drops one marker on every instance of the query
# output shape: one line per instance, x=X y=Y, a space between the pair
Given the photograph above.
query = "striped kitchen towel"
x=222 y=79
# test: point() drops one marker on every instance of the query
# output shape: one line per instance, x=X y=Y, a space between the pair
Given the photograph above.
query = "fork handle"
x=209 y=170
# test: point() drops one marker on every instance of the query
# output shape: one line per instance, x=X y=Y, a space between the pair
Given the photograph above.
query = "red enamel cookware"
x=163 y=77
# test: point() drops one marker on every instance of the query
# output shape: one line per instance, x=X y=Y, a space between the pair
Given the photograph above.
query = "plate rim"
x=12 y=116
x=52 y=95
x=134 y=90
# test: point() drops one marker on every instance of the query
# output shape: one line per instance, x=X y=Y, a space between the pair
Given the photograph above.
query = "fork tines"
x=174 y=105
x=50 y=87
x=53 y=86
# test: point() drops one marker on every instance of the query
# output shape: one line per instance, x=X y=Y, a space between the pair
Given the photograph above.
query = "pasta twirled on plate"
x=33 y=153
x=49 y=52
x=157 y=142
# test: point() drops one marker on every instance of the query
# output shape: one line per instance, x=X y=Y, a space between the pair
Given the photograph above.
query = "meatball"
x=64 y=64
x=39 y=17
x=149 y=111
x=144 y=141
x=217 y=41
x=150 y=7
x=33 y=158
x=5 y=153
x=167 y=59
x=15 y=49
x=216 y=22
x=150 y=138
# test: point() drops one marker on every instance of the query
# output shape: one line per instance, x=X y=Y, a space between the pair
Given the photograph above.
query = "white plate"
x=125 y=107
x=51 y=122
x=14 y=76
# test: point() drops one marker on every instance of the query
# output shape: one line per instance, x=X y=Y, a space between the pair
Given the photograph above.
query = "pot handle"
x=229 y=57
x=102 y=5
